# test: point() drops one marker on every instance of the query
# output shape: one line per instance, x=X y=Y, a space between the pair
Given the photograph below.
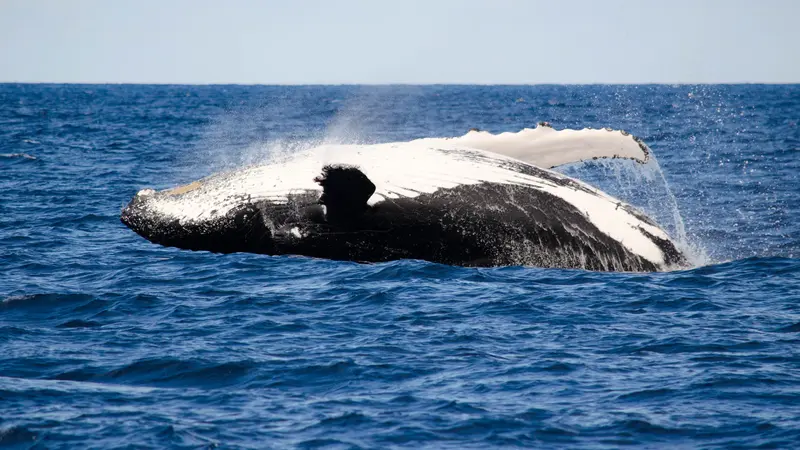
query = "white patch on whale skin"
x=401 y=170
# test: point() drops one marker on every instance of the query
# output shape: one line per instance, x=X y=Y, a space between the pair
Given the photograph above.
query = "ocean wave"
x=166 y=372
x=23 y=156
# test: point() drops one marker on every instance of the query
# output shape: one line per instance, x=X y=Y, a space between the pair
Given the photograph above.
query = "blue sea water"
x=108 y=341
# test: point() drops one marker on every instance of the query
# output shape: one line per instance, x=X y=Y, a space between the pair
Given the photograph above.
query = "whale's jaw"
x=242 y=229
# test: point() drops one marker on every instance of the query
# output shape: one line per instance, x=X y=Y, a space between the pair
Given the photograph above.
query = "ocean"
x=109 y=341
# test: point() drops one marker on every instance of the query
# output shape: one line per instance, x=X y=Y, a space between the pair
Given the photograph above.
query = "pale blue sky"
x=409 y=41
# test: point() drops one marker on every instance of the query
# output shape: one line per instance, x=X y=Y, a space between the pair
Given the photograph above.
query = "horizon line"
x=161 y=83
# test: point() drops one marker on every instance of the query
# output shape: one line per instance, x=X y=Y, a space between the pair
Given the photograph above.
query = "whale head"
x=203 y=215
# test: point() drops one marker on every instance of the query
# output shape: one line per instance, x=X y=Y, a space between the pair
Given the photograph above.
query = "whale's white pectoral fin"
x=546 y=147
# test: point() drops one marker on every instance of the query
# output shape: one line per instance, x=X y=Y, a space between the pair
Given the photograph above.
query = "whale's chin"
x=242 y=229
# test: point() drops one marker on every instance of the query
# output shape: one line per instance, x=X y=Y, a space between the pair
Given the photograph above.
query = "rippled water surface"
x=107 y=340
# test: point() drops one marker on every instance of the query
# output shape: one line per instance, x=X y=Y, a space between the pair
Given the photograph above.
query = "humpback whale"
x=481 y=199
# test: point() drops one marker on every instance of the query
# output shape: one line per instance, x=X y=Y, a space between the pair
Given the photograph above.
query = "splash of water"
x=646 y=187
x=244 y=137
